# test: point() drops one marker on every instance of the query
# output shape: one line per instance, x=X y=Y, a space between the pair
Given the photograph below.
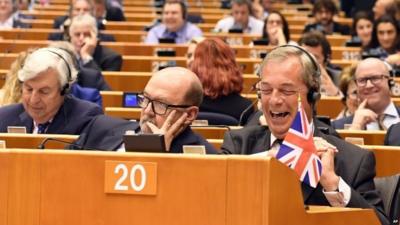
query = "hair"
x=374 y=39
x=44 y=59
x=309 y=74
x=315 y=39
x=83 y=20
x=194 y=95
x=347 y=75
x=90 y=3
x=68 y=48
x=219 y=74
x=366 y=15
x=244 y=2
x=284 y=24
x=329 y=5
x=181 y=3
x=12 y=89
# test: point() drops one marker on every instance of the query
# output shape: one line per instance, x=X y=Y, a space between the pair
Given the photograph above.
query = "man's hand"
x=168 y=129
x=363 y=116
x=326 y=152
x=88 y=47
x=327 y=83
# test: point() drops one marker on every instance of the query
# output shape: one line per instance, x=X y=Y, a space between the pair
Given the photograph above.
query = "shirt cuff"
x=87 y=59
x=341 y=197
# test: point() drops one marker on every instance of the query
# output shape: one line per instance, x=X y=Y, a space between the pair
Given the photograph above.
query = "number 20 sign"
x=126 y=177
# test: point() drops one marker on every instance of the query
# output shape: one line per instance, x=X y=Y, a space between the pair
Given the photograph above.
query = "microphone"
x=244 y=112
x=42 y=145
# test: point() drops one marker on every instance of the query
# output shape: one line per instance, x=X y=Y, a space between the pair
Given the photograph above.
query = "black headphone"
x=65 y=88
x=391 y=81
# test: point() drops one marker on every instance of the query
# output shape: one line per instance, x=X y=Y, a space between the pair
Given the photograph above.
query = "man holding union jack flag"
x=332 y=171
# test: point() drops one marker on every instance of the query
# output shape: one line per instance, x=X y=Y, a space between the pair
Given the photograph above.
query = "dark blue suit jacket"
x=337 y=28
x=105 y=133
x=92 y=78
x=354 y=165
x=71 y=118
x=393 y=135
x=105 y=59
x=339 y=124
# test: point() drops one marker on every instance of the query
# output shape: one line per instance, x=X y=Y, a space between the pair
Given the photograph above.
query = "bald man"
x=170 y=102
x=376 y=110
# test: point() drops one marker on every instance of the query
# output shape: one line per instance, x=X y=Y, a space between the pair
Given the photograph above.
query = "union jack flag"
x=298 y=150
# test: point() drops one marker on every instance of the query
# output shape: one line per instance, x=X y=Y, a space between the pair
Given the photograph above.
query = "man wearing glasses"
x=376 y=110
x=170 y=102
x=287 y=73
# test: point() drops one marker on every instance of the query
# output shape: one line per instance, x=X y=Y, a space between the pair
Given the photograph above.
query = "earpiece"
x=391 y=81
x=65 y=88
x=313 y=95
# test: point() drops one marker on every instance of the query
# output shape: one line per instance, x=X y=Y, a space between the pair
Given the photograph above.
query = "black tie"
x=43 y=127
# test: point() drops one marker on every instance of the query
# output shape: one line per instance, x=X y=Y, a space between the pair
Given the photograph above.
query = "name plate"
x=136 y=178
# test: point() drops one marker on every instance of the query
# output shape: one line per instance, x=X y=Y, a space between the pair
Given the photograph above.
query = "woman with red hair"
x=215 y=65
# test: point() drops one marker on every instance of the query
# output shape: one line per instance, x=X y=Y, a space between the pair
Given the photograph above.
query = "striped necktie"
x=42 y=127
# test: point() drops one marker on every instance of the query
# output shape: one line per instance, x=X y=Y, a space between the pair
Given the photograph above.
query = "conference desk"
x=91 y=188
x=15 y=140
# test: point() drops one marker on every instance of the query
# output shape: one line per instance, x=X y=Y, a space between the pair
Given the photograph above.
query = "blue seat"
x=218 y=118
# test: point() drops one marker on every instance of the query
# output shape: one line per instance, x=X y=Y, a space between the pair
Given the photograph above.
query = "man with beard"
x=323 y=12
x=376 y=110
x=174 y=25
x=170 y=102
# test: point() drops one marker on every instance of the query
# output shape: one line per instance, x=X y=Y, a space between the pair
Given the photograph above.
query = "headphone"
x=391 y=82
x=183 y=7
x=65 y=88
x=313 y=94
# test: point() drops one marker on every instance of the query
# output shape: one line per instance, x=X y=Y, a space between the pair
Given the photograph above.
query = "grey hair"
x=83 y=20
x=43 y=59
x=310 y=74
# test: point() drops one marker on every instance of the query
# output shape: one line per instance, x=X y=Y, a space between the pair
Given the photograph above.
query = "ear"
x=192 y=114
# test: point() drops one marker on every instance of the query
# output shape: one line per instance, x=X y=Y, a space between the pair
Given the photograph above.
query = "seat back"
x=389 y=188
x=217 y=118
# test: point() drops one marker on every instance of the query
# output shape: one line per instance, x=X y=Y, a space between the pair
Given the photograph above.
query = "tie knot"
x=172 y=35
x=42 y=127
x=381 y=123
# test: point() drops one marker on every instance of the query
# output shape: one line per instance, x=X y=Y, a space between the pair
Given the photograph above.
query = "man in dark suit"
x=393 y=135
x=289 y=73
x=46 y=106
x=376 y=110
x=167 y=108
x=91 y=54
x=323 y=12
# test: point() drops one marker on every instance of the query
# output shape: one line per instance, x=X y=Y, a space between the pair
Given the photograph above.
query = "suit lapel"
x=26 y=120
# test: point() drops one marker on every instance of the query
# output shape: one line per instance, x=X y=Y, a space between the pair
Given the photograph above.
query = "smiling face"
x=364 y=31
x=280 y=87
x=377 y=95
x=386 y=35
x=6 y=9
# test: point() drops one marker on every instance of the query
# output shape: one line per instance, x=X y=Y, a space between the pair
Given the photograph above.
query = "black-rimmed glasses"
x=375 y=79
x=159 y=108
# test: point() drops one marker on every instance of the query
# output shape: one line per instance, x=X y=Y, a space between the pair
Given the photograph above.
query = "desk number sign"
x=124 y=177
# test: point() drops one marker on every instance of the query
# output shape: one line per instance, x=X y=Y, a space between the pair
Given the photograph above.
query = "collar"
x=391 y=110
x=8 y=23
x=178 y=32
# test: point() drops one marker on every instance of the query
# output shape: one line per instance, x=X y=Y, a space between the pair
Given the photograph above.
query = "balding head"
x=372 y=62
x=181 y=81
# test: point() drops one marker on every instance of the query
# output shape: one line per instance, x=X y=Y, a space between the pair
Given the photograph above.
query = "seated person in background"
x=12 y=89
x=348 y=87
x=362 y=28
x=241 y=18
x=167 y=108
x=46 y=106
x=104 y=12
x=191 y=48
x=174 y=25
x=317 y=44
x=323 y=12
x=91 y=54
x=9 y=16
x=78 y=7
x=288 y=73
x=276 y=30
x=384 y=7
x=87 y=77
x=393 y=135
x=385 y=42
x=221 y=78
x=261 y=8
x=376 y=111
